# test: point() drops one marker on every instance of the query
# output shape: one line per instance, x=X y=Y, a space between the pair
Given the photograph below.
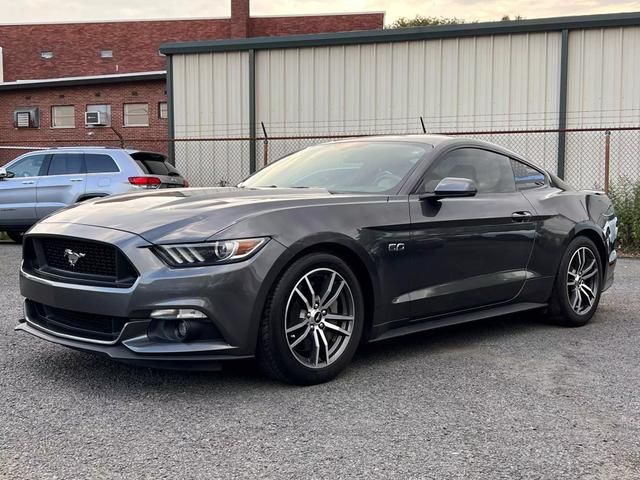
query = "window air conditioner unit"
x=95 y=119
x=26 y=117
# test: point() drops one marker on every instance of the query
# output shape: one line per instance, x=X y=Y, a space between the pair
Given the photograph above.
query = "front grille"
x=98 y=259
x=78 y=324
x=75 y=260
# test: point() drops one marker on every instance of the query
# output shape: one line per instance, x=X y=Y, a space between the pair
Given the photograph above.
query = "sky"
x=33 y=11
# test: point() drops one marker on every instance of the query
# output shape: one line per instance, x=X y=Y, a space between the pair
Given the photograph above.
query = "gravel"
x=505 y=398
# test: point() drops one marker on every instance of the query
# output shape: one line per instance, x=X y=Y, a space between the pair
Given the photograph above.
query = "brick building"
x=51 y=74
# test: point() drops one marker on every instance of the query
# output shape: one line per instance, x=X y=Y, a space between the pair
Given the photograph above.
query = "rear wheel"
x=15 y=236
x=578 y=285
x=313 y=321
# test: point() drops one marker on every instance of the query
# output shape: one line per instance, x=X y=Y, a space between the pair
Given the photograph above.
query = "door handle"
x=521 y=216
x=28 y=182
x=75 y=180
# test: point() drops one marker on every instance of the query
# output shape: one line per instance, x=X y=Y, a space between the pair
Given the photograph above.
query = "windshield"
x=366 y=167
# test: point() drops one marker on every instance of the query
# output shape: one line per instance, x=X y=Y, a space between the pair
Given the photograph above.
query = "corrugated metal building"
x=534 y=75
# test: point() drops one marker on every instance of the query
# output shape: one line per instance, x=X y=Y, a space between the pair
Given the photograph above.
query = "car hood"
x=186 y=215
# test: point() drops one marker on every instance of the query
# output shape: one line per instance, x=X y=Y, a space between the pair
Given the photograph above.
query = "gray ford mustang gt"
x=335 y=245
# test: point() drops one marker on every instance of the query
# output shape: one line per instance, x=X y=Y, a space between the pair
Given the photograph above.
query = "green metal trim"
x=407 y=34
x=562 y=115
x=252 y=111
x=171 y=147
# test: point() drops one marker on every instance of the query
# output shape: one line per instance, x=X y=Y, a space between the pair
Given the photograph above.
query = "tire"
x=580 y=272
x=307 y=342
x=15 y=236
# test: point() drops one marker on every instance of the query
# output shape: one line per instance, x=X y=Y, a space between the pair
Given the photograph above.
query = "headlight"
x=211 y=253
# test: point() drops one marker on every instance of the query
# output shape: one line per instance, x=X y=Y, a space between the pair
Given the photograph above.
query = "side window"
x=66 y=164
x=527 y=177
x=28 y=167
x=490 y=171
x=97 y=163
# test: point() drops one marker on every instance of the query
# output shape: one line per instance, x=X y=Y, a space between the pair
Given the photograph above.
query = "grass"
x=625 y=196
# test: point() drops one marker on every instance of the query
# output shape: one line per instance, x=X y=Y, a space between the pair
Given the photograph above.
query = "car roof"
x=428 y=139
x=435 y=140
x=85 y=149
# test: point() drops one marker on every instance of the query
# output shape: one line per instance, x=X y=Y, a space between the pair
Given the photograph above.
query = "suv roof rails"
x=84 y=146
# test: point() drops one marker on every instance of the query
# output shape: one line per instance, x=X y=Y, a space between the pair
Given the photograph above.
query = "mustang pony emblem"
x=73 y=257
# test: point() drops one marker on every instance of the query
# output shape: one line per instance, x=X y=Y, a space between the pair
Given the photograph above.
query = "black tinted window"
x=66 y=164
x=527 y=177
x=490 y=171
x=27 y=167
x=154 y=163
x=153 y=167
x=97 y=163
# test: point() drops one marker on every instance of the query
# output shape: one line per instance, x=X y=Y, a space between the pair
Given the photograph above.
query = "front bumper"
x=120 y=352
x=228 y=294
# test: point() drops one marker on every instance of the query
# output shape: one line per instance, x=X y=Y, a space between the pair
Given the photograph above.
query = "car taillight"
x=185 y=184
x=148 y=182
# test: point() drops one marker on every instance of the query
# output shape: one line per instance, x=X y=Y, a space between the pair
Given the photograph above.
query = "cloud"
x=13 y=11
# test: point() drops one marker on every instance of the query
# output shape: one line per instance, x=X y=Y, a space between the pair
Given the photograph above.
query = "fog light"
x=178 y=314
x=182 y=330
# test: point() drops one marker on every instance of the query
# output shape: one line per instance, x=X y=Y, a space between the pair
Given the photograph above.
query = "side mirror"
x=452 y=187
x=4 y=174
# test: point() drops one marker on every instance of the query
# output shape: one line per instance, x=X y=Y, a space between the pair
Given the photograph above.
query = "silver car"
x=38 y=183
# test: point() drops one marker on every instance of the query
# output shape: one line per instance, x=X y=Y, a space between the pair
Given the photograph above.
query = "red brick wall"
x=147 y=138
x=300 y=25
x=76 y=47
x=239 y=26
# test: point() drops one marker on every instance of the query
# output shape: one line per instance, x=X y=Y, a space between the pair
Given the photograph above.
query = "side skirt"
x=383 y=332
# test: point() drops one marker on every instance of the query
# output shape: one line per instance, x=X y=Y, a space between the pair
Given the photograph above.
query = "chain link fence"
x=594 y=158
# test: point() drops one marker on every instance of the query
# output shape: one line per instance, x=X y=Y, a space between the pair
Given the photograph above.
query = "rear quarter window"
x=527 y=177
x=97 y=163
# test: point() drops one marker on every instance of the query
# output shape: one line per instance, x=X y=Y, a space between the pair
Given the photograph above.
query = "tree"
x=507 y=18
x=420 y=21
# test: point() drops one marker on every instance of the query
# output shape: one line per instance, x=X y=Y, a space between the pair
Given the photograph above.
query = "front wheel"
x=578 y=285
x=313 y=321
x=15 y=236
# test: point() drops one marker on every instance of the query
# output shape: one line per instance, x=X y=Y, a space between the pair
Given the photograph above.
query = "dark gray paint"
x=252 y=111
x=562 y=115
x=171 y=147
x=465 y=257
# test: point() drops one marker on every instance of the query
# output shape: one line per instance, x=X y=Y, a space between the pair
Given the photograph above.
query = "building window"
x=106 y=53
x=46 y=54
x=136 y=114
x=163 y=112
x=63 y=116
x=105 y=113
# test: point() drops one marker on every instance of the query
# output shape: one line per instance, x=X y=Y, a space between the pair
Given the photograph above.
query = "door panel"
x=468 y=252
x=18 y=194
x=18 y=201
x=64 y=184
x=391 y=227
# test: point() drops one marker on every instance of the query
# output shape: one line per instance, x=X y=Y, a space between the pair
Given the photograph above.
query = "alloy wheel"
x=319 y=318
x=583 y=279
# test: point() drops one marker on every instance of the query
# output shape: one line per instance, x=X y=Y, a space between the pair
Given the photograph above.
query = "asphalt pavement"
x=506 y=398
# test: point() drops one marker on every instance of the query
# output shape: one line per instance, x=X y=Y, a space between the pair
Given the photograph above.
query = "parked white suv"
x=38 y=183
